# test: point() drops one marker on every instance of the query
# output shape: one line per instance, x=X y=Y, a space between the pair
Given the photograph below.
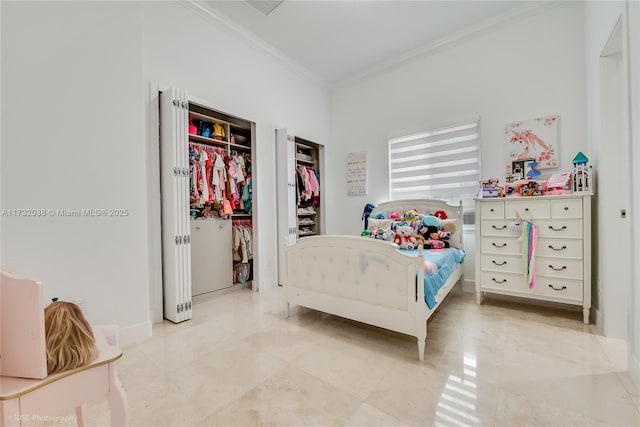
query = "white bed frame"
x=367 y=280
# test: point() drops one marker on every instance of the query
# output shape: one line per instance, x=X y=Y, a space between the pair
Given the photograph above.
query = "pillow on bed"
x=455 y=228
x=385 y=224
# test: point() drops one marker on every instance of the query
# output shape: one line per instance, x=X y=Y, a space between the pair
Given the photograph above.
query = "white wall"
x=72 y=138
x=600 y=19
x=186 y=49
x=633 y=20
x=521 y=70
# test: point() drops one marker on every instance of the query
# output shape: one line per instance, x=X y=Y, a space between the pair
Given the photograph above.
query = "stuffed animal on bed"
x=388 y=235
x=404 y=237
x=410 y=216
x=440 y=214
x=432 y=233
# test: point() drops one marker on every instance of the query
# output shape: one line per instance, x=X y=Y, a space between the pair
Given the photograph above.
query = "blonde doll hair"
x=70 y=340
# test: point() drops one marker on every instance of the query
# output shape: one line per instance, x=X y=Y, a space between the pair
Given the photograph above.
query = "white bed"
x=368 y=280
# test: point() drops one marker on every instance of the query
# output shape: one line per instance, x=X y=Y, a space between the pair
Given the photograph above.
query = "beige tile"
x=617 y=352
x=136 y=367
x=347 y=366
x=636 y=400
x=516 y=410
x=240 y=362
x=217 y=378
x=585 y=399
x=534 y=350
x=368 y=416
x=158 y=403
x=418 y=394
x=290 y=398
x=627 y=382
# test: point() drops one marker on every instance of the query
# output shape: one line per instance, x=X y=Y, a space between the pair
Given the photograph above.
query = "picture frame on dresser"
x=563 y=250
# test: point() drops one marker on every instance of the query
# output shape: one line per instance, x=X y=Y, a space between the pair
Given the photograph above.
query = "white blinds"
x=439 y=164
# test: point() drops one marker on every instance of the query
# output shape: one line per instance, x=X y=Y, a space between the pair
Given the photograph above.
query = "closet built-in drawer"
x=498 y=227
x=566 y=208
x=559 y=229
x=528 y=208
x=502 y=263
x=490 y=210
x=559 y=267
x=501 y=245
x=565 y=289
x=559 y=248
x=493 y=280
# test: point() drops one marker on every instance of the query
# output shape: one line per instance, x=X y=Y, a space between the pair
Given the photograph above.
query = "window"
x=438 y=164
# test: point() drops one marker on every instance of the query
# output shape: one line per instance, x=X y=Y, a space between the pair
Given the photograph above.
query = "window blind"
x=438 y=164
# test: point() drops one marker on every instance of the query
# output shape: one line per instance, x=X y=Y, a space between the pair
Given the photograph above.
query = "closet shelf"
x=307 y=233
x=209 y=141
x=308 y=147
x=239 y=146
x=306 y=213
x=241 y=215
x=308 y=162
x=195 y=115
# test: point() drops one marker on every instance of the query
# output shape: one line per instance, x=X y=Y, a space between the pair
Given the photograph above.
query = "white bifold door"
x=174 y=182
x=286 y=195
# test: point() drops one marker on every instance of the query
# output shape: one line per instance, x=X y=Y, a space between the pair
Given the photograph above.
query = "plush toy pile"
x=411 y=229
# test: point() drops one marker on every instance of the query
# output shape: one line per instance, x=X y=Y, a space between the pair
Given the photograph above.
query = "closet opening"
x=207 y=167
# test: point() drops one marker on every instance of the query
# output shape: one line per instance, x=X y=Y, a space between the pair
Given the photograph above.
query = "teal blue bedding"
x=438 y=266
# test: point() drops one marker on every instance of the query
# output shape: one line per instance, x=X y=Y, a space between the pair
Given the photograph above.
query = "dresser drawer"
x=500 y=245
x=492 y=210
x=503 y=263
x=559 y=248
x=559 y=267
x=565 y=289
x=566 y=228
x=528 y=208
x=566 y=208
x=498 y=227
x=502 y=281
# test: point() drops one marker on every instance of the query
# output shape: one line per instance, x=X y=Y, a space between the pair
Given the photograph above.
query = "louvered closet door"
x=174 y=181
x=286 y=196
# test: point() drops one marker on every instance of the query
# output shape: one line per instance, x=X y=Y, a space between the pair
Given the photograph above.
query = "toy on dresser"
x=491 y=189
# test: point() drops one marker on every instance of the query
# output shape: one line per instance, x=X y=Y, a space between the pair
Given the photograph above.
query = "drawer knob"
x=500 y=281
x=526 y=209
x=564 y=267
x=557 y=289
x=558 y=249
x=566 y=208
x=564 y=227
x=499 y=246
x=491 y=209
x=496 y=263
x=499 y=228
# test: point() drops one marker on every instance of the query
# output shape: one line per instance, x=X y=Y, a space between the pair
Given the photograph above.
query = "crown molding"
x=487 y=25
x=254 y=41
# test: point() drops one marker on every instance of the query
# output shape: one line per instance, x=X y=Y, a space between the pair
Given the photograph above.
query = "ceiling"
x=340 y=40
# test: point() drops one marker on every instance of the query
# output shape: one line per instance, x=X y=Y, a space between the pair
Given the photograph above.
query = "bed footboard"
x=361 y=279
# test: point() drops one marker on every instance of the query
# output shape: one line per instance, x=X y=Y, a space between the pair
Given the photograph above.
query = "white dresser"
x=563 y=250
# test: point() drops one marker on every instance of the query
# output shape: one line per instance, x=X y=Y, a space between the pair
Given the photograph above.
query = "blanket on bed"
x=438 y=265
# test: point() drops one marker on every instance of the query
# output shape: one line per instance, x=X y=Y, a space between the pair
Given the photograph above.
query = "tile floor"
x=239 y=362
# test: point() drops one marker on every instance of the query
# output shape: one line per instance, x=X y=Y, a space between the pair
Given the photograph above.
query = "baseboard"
x=599 y=319
x=134 y=334
x=468 y=285
x=634 y=370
